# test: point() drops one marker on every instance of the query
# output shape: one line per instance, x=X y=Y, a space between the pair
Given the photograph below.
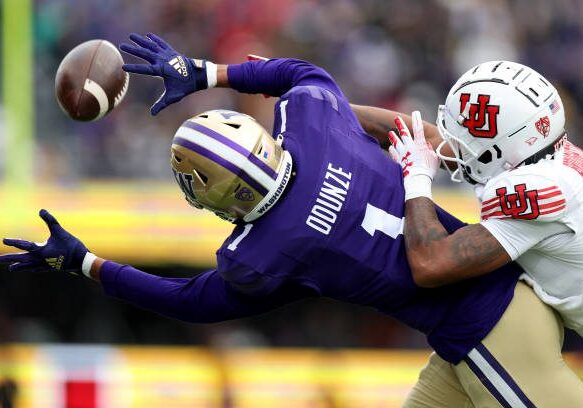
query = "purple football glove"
x=62 y=252
x=182 y=75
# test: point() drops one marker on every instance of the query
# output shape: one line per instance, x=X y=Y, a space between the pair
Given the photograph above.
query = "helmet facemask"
x=474 y=167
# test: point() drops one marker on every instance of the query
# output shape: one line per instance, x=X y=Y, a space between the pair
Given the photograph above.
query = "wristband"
x=418 y=185
x=87 y=264
x=211 y=74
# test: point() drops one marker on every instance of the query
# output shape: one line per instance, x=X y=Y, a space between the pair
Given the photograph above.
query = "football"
x=90 y=81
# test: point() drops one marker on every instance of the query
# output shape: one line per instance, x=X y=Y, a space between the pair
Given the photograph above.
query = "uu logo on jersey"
x=479 y=118
x=522 y=204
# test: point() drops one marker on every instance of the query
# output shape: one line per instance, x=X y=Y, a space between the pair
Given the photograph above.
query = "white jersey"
x=536 y=213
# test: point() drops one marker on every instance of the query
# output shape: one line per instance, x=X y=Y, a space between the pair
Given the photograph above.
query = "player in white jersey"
x=503 y=126
x=536 y=213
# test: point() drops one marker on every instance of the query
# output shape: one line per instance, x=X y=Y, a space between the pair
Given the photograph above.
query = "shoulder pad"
x=523 y=194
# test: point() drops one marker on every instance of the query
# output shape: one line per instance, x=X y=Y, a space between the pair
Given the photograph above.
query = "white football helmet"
x=497 y=116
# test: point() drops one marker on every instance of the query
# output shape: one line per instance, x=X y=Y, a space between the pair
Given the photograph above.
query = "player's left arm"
x=437 y=257
x=183 y=75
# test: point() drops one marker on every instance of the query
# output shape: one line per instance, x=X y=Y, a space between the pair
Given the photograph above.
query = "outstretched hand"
x=416 y=156
x=182 y=75
x=62 y=251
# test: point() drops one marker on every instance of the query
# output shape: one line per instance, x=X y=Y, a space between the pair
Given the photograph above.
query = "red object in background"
x=80 y=394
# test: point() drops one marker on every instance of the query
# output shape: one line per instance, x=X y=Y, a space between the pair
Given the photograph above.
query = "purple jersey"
x=335 y=232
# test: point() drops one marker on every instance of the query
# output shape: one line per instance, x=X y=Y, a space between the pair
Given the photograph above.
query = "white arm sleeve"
x=518 y=236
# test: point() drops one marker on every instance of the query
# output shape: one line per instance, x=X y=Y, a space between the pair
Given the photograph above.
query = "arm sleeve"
x=204 y=298
x=277 y=76
x=518 y=236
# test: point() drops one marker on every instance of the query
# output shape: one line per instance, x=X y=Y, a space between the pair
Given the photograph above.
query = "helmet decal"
x=244 y=194
x=475 y=116
x=543 y=126
x=185 y=182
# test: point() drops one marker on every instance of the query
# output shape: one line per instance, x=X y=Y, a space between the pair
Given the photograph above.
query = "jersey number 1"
x=378 y=219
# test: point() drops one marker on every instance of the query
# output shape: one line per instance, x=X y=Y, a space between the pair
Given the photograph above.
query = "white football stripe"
x=97 y=91
x=497 y=381
x=226 y=153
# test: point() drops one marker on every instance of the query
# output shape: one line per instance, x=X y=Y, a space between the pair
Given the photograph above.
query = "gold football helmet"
x=228 y=163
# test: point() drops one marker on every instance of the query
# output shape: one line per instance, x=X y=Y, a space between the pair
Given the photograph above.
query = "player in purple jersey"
x=318 y=209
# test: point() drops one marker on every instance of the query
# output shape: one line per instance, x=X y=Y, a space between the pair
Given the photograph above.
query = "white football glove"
x=416 y=156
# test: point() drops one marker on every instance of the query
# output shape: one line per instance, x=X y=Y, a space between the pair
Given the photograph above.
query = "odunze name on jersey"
x=330 y=199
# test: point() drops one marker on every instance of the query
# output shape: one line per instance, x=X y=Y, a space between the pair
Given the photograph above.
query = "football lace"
x=123 y=91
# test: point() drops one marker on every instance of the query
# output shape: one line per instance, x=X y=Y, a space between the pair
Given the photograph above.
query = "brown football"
x=90 y=82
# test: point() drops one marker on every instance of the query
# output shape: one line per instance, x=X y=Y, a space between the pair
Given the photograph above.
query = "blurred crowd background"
x=399 y=54
x=393 y=53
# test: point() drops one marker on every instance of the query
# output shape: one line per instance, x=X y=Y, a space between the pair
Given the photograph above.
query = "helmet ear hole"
x=485 y=157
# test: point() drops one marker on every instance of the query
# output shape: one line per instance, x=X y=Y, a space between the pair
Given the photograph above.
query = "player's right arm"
x=204 y=298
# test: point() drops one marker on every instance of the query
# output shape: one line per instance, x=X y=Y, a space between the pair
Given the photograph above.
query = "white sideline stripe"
x=233 y=245
x=226 y=153
x=97 y=91
x=498 y=382
x=282 y=111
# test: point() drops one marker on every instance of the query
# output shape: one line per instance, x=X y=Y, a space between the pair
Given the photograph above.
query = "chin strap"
x=541 y=154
